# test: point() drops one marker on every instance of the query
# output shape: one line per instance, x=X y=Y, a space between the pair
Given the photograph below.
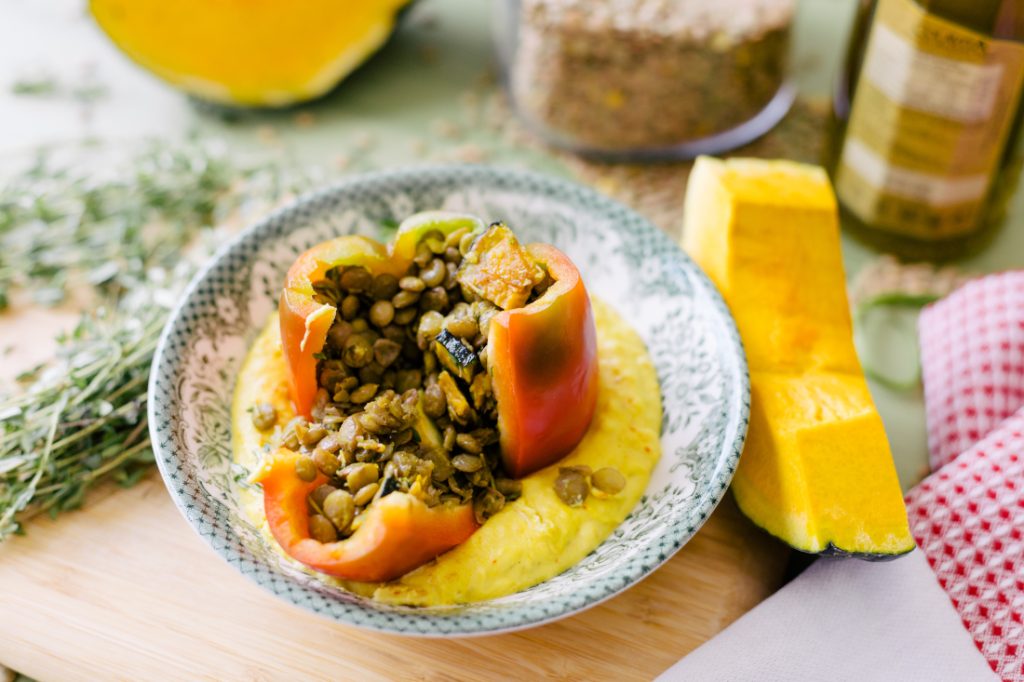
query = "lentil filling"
x=404 y=400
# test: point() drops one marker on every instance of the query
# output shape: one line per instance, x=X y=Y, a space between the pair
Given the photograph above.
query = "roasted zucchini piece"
x=459 y=408
x=455 y=356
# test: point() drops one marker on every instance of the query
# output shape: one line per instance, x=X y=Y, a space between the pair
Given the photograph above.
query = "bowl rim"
x=706 y=500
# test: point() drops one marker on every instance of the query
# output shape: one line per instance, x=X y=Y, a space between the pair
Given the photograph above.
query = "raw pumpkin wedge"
x=252 y=52
x=816 y=471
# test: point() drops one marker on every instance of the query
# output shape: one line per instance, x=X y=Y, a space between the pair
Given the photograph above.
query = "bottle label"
x=930 y=118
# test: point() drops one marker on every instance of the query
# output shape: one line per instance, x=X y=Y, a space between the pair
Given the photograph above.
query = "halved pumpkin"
x=249 y=52
x=816 y=471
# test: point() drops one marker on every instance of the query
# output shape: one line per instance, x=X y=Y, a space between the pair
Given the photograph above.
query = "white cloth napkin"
x=844 y=619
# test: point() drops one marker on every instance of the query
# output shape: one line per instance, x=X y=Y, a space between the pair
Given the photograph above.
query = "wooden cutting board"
x=123 y=589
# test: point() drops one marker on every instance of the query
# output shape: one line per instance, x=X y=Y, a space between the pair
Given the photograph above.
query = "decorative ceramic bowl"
x=624 y=259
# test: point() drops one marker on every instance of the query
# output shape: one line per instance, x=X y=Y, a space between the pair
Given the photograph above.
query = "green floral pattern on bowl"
x=624 y=259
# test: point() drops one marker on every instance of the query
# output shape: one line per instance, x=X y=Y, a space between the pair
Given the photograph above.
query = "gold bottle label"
x=933 y=107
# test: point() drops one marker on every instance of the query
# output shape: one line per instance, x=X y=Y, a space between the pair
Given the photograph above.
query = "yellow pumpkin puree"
x=532 y=538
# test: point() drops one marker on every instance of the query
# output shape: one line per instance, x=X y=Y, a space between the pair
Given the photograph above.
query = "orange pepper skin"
x=304 y=322
x=543 y=360
x=399 y=532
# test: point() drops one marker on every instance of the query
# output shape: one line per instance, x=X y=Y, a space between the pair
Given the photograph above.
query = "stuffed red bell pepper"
x=428 y=376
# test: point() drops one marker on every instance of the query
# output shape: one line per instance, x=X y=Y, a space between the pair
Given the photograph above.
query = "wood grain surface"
x=123 y=589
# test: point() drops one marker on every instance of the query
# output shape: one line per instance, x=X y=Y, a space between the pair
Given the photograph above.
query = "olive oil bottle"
x=926 y=121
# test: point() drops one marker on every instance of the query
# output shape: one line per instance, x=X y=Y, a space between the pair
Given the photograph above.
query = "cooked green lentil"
x=305 y=469
x=608 y=480
x=572 y=486
x=264 y=416
x=321 y=529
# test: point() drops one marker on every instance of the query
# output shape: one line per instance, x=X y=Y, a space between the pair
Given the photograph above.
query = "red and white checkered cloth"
x=972 y=356
x=968 y=516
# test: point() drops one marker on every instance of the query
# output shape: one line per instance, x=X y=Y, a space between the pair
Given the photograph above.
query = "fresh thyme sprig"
x=61 y=230
x=81 y=418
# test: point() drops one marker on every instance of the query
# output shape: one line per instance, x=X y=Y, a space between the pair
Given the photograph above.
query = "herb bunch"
x=81 y=418
x=62 y=230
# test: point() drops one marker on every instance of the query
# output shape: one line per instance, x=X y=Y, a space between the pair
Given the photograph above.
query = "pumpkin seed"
x=331 y=442
x=448 y=441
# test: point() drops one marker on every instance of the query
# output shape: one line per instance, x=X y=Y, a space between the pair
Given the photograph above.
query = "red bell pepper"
x=399 y=532
x=304 y=322
x=543 y=360
x=543 y=364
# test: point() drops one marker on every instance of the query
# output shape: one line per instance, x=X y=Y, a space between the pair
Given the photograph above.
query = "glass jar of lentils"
x=647 y=79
